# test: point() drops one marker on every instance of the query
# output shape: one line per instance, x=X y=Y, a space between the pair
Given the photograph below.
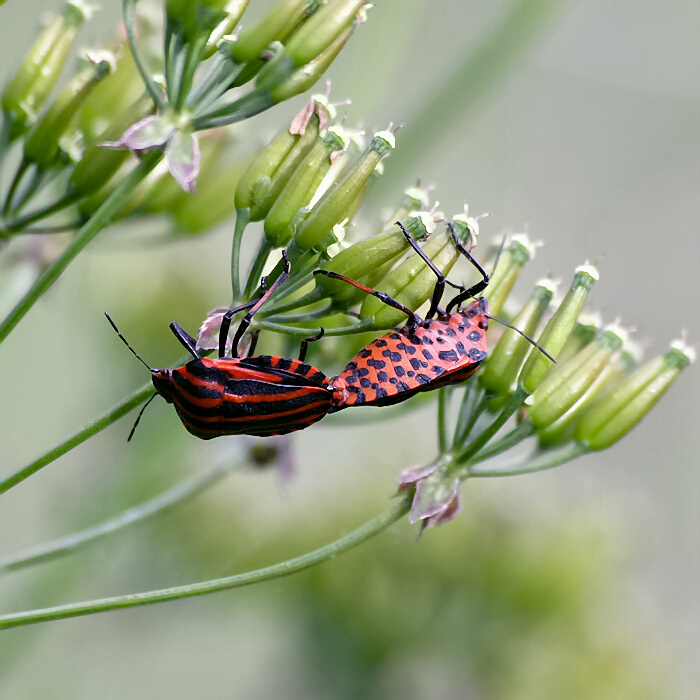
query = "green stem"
x=194 y=58
x=58 y=228
x=106 y=419
x=98 y=221
x=245 y=107
x=19 y=174
x=547 y=461
x=269 y=573
x=129 y=9
x=519 y=433
x=443 y=402
x=360 y=327
x=18 y=225
x=159 y=504
x=477 y=408
x=515 y=402
x=312 y=297
x=81 y=436
x=257 y=268
x=321 y=312
x=242 y=220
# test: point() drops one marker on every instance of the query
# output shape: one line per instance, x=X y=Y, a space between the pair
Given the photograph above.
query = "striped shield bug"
x=446 y=347
x=259 y=395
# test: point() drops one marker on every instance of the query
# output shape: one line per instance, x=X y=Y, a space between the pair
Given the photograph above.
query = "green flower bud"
x=307 y=76
x=507 y=271
x=574 y=382
x=41 y=145
x=195 y=18
x=506 y=358
x=277 y=26
x=370 y=260
x=414 y=199
x=558 y=329
x=321 y=30
x=333 y=206
x=99 y=164
x=616 y=414
x=412 y=282
x=584 y=331
x=234 y=10
x=271 y=170
x=113 y=95
x=300 y=189
x=40 y=70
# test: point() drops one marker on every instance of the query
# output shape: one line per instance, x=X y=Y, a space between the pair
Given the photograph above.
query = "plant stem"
x=257 y=268
x=13 y=187
x=443 y=402
x=276 y=571
x=520 y=432
x=476 y=409
x=360 y=327
x=242 y=220
x=547 y=461
x=114 y=414
x=515 y=402
x=98 y=221
x=18 y=225
x=129 y=10
x=159 y=504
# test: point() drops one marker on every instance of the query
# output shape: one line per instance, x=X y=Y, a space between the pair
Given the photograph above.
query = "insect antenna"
x=524 y=335
x=138 y=418
x=126 y=342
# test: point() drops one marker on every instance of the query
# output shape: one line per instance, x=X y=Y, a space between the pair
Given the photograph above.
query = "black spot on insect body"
x=427 y=355
x=395 y=336
x=382 y=376
x=451 y=332
x=362 y=372
x=415 y=363
x=471 y=311
x=400 y=371
x=423 y=379
x=393 y=380
x=382 y=393
x=411 y=373
x=361 y=397
x=460 y=349
x=474 y=336
x=437 y=370
x=364 y=353
x=410 y=350
x=427 y=340
x=402 y=386
x=415 y=340
x=377 y=364
x=476 y=355
x=365 y=383
x=381 y=343
x=448 y=356
x=393 y=356
x=284 y=363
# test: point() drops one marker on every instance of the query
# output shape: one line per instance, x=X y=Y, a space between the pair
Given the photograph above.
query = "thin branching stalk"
x=547 y=459
x=97 y=222
x=157 y=505
x=269 y=573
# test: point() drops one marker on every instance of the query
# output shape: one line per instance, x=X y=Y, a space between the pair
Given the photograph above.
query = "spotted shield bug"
x=444 y=348
x=257 y=395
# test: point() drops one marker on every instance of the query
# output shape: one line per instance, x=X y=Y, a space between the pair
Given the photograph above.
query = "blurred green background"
x=581 y=125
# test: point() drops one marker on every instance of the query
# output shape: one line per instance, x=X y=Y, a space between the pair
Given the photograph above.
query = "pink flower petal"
x=151 y=132
x=183 y=157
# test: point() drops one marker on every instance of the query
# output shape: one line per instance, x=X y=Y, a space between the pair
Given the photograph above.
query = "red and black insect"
x=257 y=395
x=444 y=348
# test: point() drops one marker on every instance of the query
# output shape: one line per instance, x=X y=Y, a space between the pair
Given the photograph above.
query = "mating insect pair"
x=269 y=395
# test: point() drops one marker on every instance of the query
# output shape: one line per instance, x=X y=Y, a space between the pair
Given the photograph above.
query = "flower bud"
x=558 y=329
x=307 y=76
x=234 y=10
x=99 y=164
x=332 y=208
x=300 y=189
x=506 y=358
x=584 y=331
x=271 y=170
x=113 y=95
x=616 y=414
x=41 y=67
x=571 y=383
x=414 y=199
x=507 y=271
x=41 y=145
x=370 y=260
x=412 y=282
x=194 y=18
x=277 y=26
